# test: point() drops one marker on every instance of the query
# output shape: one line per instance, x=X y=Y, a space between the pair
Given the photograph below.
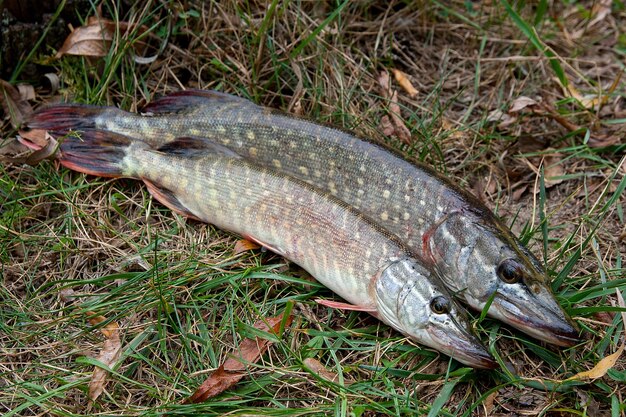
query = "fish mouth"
x=465 y=348
x=543 y=320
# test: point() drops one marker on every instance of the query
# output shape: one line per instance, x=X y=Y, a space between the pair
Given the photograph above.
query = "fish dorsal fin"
x=190 y=146
x=190 y=100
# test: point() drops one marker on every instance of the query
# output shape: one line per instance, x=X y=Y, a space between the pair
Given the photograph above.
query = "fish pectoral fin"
x=189 y=101
x=169 y=199
x=190 y=146
x=345 y=306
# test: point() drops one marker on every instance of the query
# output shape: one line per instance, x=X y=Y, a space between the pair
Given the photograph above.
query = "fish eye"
x=510 y=271
x=440 y=305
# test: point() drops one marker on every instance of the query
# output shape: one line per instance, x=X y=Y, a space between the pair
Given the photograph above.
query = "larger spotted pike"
x=474 y=253
x=339 y=246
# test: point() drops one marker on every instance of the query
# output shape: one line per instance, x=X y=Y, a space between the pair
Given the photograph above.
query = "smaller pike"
x=339 y=246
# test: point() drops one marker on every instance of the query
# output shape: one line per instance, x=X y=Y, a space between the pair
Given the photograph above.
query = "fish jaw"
x=540 y=316
x=405 y=295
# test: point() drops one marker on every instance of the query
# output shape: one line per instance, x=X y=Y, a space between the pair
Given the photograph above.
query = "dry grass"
x=72 y=244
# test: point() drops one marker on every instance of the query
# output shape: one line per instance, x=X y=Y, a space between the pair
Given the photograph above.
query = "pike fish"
x=472 y=251
x=343 y=249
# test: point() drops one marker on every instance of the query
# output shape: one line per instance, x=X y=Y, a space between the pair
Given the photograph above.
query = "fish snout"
x=476 y=356
x=464 y=347
x=540 y=317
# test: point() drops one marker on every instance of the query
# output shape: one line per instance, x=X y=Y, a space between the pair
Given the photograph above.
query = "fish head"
x=419 y=306
x=491 y=266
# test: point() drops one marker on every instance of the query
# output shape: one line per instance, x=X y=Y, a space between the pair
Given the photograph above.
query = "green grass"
x=72 y=244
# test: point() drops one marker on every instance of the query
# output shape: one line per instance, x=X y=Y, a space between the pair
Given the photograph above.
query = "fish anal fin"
x=190 y=100
x=190 y=146
x=346 y=306
x=169 y=199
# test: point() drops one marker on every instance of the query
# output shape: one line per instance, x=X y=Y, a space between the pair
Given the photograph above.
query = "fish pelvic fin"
x=97 y=152
x=64 y=117
x=190 y=147
x=346 y=306
x=169 y=199
x=189 y=100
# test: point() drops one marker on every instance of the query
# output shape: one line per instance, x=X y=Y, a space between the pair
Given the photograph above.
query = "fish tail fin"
x=98 y=152
x=64 y=117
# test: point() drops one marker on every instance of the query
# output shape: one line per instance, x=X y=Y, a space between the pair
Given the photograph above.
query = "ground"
x=523 y=104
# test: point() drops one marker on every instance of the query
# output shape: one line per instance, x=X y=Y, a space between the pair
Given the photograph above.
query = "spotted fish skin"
x=343 y=249
x=472 y=251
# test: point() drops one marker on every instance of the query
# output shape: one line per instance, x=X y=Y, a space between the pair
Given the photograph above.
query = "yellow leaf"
x=601 y=368
x=405 y=83
x=606 y=363
x=244 y=245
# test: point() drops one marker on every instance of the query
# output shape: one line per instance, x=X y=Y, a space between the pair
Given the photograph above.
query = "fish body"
x=471 y=250
x=343 y=249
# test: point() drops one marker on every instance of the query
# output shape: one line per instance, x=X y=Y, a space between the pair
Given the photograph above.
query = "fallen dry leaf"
x=600 y=11
x=244 y=245
x=234 y=368
x=16 y=151
x=386 y=126
x=399 y=128
x=504 y=119
x=27 y=92
x=607 y=362
x=405 y=83
x=553 y=168
x=95 y=38
x=601 y=367
x=521 y=103
x=13 y=104
x=519 y=191
x=109 y=354
x=11 y=151
x=449 y=126
x=317 y=367
x=488 y=404
x=603 y=140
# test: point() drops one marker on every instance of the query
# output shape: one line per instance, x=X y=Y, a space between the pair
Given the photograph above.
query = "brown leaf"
x=386 y=126
x=13 y=105
x=383 y=81
x=27 y=92
x=553 y=168
x=521 y=103
x=94 y=39
x=602 y=140
x=600 y=11
x=519 y=191
x=244 y=245
x=449 y=126
x=399 y=128
x=234 y=368
x=488 y=404
x=109 y=354
x=405 y=83
x=318 y=368
x=9 y=149
x=45 y=145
